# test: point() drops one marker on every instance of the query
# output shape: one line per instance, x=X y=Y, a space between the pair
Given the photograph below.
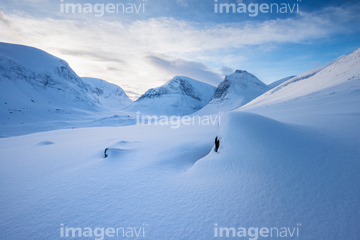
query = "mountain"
x=33 y=79
x=108 y=95
x=278 y=82
x=236 y=90
x=332 y=88
x=304 y=75
x=179 y=96
x=38 y=87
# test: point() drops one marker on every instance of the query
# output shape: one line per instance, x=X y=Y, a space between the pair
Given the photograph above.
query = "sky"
x=147 y=42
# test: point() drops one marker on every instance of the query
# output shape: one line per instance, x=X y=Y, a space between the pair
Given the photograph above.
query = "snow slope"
x=33 y=79
x=30 y=58
x=109 y=95
x=236 y=90
x=278 y=82
x=179 y=96
x=278 y=174
x=37 y=87
x=335 y=88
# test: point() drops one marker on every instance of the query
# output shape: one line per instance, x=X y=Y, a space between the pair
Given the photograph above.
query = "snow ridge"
x=339 y=77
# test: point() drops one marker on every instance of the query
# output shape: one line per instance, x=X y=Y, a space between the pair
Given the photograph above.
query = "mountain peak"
x=177 y=85
x=181 y=95
x=236 y=90
x=240 y=71
x=30 y=57
x=37 y=86
x=243 y=79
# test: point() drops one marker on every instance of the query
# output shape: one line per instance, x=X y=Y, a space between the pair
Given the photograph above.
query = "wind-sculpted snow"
x=273 y=173
x=266 y=174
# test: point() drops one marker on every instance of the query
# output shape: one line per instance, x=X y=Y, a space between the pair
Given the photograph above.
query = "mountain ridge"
x=234 y=91
x=37 y=86
x=184 y=93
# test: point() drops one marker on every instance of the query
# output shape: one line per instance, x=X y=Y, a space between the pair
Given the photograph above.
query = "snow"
x=280 y=81
x=287 y=174
x=29 y=57
x=109 y=95
x=179 y=96
x=267 y=173
x=289 y=158
x=41 y=92
x=71 y=182
x=236 y=90
x=332 y=90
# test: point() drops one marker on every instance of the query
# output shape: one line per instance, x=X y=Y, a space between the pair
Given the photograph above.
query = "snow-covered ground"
x=287 y=160
x=62 y=176
x=170 y=182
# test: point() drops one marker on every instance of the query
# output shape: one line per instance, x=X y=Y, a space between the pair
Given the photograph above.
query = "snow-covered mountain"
x=236 y=90
x=33 y=79
x=179 y=96
x=332 y=88
x=278 y=82
x=108 y=95
x=302 y=76
x=37 y=86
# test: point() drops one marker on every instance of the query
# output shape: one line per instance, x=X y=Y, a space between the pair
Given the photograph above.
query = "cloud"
x=158 y=35
x=182 y=3
x=3 y=19
x=92 y=55
x=8 y=30
x=143 y=53
x=226 y=70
